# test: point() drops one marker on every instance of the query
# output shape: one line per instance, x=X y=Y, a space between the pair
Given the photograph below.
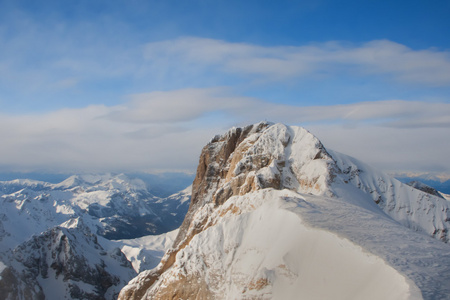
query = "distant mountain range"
x=160 y=185
x=440 y=182
x=56 y=234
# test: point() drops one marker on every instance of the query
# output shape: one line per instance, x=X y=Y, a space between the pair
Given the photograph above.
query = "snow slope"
x=275 y=215
x=146 y=252
x=266 y=250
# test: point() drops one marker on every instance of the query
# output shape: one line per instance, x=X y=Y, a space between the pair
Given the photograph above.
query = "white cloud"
x=78 y=66
x=180 y=105
x=388 y=113
x=80 y=140
x=44 y=63
x=390 y=149
x=191 y=104
x=383 y=57
x=166 y=131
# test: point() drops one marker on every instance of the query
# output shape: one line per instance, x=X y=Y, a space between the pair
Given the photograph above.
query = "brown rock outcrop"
x=217 y=158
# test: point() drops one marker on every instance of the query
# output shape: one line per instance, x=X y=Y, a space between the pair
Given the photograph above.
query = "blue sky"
x=94 y=86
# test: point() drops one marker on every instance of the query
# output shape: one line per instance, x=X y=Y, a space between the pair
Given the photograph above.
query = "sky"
x=142 y=86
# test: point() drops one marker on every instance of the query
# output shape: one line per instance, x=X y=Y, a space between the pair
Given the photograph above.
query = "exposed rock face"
x=15 y=286
x=252 y=159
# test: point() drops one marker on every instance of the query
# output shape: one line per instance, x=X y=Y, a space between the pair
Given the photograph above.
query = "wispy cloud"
x=191 y=104
x=382 y=57
x=387 y=113
x=180 y=105
x=390 y=149
x=47 y=64
x=46 y=59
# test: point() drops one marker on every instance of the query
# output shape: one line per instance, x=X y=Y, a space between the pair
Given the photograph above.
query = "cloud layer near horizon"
x=165 y=131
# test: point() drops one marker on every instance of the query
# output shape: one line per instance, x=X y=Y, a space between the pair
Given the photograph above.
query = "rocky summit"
x=276 y=215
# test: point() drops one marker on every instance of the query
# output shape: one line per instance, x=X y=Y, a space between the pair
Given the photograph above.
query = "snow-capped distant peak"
x=70 y=182
x=119 y=182
x=26 y=182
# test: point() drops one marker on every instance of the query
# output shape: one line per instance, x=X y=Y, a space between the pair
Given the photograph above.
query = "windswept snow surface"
x=284 y=245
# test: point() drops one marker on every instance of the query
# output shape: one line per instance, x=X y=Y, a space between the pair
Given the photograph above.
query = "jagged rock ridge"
x=245 y=166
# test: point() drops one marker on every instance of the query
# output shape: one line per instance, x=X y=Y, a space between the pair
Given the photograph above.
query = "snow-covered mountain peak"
x=119 y=182
x=8 y=187
x=28 y=182
x=250 y=181
x=261 y=156
x=246 y=160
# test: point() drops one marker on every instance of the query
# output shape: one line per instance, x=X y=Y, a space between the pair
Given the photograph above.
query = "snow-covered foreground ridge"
x=275 y=215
